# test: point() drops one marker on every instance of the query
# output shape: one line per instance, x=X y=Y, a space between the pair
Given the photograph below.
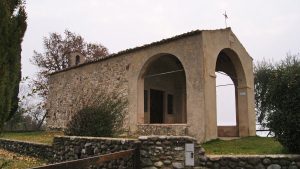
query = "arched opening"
x=230 y=75
x=77 y=60
x=164 y=90
x=226 y=100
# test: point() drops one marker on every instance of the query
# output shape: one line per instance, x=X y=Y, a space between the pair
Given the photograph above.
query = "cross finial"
x=226 y=17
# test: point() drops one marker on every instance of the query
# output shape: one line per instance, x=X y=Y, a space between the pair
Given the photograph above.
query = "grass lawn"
x=247 y=145
x=45 y=137
x=9 y=160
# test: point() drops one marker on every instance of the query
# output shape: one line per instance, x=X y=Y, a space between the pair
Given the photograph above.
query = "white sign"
x=189 y=154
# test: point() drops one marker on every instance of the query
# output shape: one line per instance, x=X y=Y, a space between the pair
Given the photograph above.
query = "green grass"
x=43 y=137
x=247 y=145
x=19 y=164
x=10 y=160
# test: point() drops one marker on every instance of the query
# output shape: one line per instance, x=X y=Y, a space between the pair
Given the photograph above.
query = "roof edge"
x=129 y=50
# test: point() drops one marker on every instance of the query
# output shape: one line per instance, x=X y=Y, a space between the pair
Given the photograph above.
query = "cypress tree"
x=12 y=29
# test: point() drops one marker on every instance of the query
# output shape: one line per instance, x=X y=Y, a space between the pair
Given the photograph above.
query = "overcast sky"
x=268 y=29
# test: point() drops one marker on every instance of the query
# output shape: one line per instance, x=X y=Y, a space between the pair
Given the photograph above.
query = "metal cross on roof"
x=226 y=17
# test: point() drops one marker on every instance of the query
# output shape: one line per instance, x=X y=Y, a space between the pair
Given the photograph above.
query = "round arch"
x=229 y=63
x=162 y=91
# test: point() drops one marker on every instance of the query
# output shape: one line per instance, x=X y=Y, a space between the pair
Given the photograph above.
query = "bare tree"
x=54 y=58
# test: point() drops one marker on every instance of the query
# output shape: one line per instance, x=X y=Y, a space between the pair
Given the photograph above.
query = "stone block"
x=274 y=166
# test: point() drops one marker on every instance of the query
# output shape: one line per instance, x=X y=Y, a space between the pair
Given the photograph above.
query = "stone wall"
x=167 y=152
x=77 y=88
x=253 y=161
x=72 y=148
x=31 y=149
x=156 y=152
x=66 y=148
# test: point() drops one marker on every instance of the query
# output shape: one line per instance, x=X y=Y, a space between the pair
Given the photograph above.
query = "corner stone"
x=177 y=165
x=274 y=166
x=158 y=164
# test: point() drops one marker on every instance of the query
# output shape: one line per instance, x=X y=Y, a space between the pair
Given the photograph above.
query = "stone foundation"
x=162 y=129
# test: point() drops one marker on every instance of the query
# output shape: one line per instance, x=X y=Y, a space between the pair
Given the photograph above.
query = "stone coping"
x=165 y=125
x=97 y=138
x=128 y=139
x=27 y=142
x=166 y=137
x=254 y=156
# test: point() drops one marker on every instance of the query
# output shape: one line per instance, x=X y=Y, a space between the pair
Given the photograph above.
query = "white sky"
x=226 y=110
x=268 y=29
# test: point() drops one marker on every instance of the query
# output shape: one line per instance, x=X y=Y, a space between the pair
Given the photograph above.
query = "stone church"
x=170 y=85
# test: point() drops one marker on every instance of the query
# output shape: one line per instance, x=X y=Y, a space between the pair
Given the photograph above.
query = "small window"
x=170 y=104
x=77 y=60
x=145 y=101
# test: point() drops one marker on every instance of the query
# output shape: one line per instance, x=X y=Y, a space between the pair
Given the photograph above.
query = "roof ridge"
x=190 y=33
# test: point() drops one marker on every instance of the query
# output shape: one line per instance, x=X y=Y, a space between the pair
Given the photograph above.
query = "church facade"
x=170 y=86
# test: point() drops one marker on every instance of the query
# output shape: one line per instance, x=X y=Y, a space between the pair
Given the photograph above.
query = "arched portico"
x=229 y=63
x=162 y=91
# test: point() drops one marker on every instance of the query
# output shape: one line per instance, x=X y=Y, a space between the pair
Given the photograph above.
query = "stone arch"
x=229 y=62
x=162 y=91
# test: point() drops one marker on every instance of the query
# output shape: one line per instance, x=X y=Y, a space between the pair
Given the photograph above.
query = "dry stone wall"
x=167 y=152
x=27 y=148
x=65 y=148
x=253 y=162
x=155 y=152
x=72 y=148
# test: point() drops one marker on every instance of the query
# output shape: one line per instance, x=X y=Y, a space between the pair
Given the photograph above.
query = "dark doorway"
x=156 y=106
x=164 y=100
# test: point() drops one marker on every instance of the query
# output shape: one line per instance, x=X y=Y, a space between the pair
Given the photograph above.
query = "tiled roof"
x=191 y=33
